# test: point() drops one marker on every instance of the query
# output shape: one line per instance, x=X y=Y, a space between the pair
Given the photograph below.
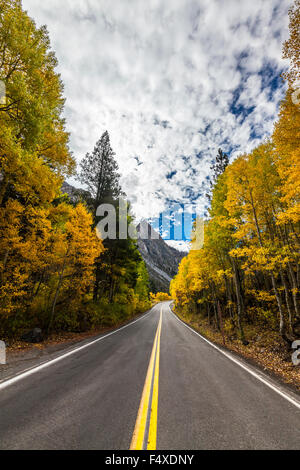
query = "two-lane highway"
x=152 y=384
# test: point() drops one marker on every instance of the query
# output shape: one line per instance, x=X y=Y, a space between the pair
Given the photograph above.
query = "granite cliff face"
x=75 y=194
x=161 y=260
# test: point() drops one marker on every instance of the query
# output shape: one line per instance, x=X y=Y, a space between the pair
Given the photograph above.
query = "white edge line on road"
x=243 y=366
x=34 y=369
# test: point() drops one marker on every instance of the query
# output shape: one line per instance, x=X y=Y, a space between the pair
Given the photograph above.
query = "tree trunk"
x=287 y=300
x=208 y=314
x=111 y=290
x=217 y=325
x=282 y=325
x=56 y=295
x=239 y=300
x=221 y=322
x=3 y=188
x=294 y=290
x=96 y=283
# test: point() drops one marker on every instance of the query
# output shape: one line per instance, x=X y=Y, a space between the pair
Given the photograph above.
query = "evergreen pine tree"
x=117 y=269
x=220 y=165
x=217 y=168
x=99 y=172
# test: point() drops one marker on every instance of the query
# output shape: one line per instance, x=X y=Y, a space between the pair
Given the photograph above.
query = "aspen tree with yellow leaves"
x=248 y=268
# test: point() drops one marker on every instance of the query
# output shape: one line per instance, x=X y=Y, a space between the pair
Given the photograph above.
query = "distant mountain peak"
x=161 y=259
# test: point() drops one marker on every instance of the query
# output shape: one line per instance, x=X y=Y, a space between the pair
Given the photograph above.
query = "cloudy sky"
x=171 y=80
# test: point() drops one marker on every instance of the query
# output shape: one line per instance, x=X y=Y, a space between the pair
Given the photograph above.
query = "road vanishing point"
x=152 y=384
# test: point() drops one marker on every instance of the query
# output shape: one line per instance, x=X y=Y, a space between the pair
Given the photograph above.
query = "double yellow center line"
x=145 y=431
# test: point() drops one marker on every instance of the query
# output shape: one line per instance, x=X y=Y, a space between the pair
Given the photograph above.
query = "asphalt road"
x=155 y=382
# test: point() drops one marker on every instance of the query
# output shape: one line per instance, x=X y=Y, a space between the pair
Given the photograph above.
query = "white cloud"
x=161 y=77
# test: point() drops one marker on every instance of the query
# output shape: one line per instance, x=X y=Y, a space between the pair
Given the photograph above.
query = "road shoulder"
x=277 y=373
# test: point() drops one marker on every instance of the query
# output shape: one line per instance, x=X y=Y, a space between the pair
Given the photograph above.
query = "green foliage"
x=120 y=271
x=99 y=172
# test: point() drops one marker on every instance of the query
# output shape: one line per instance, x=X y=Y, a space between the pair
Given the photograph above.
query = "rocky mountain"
x=161 y=260
x=75 y=194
